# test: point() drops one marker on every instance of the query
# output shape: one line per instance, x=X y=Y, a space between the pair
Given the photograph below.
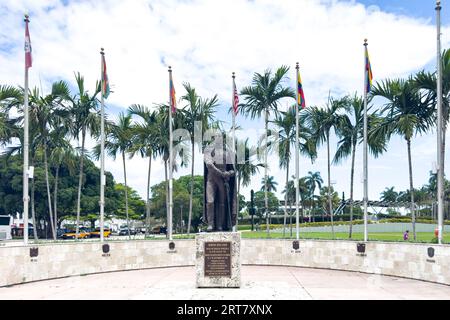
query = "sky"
x=205 y=41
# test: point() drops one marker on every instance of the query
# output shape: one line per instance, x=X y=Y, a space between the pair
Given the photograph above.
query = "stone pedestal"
x=217 y=262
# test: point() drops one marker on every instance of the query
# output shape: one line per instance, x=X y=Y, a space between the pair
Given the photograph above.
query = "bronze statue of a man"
x=219 y=190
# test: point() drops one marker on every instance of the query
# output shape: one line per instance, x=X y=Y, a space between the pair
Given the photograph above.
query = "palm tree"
x=313 y=180
x=145 y=141
x=247 y=168
x=16 y=102
x=321 y=121
x=427 y=81
x=10 y=97
x=264 y=96
x=86 y=120
x=44 y=115
x=408 y=113
x=389 y=195
x=197 y=111
x=162 y=142
x=269 y=184
x=61 y=152
x=286 y=138
x=350 y=132
x=119 y=139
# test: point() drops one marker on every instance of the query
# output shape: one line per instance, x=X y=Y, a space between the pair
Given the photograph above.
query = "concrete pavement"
x=258 y=282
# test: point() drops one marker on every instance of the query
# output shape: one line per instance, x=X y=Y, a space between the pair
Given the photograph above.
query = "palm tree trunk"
x=33 y=208
x=411 y=188
x=147 y=211
x=352 y=174
x=80 y=182
x=55 y=198
x=192 y=190
x=285 y=199
x=126 y=194
x=266 y=199
x=330 y=204
x=49 y=197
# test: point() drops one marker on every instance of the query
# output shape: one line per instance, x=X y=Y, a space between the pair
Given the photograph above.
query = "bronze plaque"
x=218 y=259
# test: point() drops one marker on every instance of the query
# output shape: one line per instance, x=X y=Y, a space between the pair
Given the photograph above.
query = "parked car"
x=124 y=231
x=96 y=233
x=83 y=233
x=159 y=230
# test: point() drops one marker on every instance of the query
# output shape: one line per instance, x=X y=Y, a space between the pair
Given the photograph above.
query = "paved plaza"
x=258 y=282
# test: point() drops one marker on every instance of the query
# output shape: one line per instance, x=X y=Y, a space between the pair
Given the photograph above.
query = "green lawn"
x=385 y=236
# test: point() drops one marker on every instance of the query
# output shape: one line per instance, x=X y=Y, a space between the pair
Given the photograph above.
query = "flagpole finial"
x=233 y=75
x=26 y=17
x=297 y=66
x=102 y=51
x=365 y=42
x=170 y=69
x=438 y=4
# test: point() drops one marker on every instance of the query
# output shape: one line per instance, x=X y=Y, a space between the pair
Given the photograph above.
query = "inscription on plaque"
x=218 y=259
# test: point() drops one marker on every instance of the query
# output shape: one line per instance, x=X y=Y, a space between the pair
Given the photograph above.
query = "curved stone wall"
x=71 y=259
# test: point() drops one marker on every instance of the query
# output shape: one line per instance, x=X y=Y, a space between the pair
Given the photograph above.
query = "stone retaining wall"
x=71 y=259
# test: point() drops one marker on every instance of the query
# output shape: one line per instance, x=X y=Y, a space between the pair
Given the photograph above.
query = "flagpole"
x=102 y=151
x=26 y=198
x=169 y=218
x=365 y=172
x=440 y=151
x=233 y=130
x=297 y=164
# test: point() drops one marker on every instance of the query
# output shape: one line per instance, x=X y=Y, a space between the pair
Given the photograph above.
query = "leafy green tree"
x=181 y=199
x=134 y=206
x=260 y=203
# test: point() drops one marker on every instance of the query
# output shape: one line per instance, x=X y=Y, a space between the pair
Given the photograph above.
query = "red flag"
x=235 y=98
x=28 y=59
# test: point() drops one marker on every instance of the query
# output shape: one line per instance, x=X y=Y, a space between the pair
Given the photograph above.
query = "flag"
x=369 y=75
x=300 y=95
x=173 y=101
x=105 y=81
x=28 y=59
x=235 y=98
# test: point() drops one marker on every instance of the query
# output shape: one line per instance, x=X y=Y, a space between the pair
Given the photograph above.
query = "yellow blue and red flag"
x=300 y=95
x=173 y=101
x=368 y=72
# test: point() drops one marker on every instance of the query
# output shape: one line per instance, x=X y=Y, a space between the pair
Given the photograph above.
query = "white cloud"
x=205 y=41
